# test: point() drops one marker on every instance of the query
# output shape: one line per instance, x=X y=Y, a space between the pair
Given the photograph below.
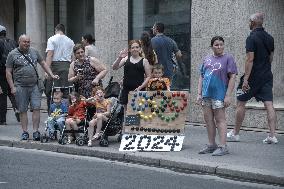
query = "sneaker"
x=17 y=114
x=231 y=137
x=25 y=135
x=220 y=151
x=69 y=139
x=3 y=123
x=36 y=136
x=90 y=144
x=270 y=140
x=208 y=149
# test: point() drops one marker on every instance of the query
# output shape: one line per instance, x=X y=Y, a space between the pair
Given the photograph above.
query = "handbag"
x=113 y=89
x=40 y=83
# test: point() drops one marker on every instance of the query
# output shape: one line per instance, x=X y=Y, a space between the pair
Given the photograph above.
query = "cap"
x=2 y=28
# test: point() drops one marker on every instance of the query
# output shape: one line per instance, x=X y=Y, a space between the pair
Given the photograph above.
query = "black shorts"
x=261 y=92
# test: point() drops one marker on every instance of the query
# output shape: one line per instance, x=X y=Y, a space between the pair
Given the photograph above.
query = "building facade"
x=191 y=23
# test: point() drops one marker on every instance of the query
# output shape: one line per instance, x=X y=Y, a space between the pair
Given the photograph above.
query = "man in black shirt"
x=6 y=45
x=258 y=79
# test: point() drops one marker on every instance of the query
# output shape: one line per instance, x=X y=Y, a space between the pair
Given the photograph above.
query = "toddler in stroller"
x=56 y=120
x=76 y=116
x=102 y=113
x=106 y=118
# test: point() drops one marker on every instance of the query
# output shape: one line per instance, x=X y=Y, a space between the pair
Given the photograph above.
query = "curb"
x=187 y=166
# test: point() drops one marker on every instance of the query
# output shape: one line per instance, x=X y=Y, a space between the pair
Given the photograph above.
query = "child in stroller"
x=102 y=113
x=107 y=119
x=76 y=115
x=58 y=112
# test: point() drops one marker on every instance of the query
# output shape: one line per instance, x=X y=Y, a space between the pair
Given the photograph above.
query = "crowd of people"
x=148 y=64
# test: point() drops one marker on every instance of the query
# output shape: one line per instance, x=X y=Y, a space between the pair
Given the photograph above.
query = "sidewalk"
x=248 y=159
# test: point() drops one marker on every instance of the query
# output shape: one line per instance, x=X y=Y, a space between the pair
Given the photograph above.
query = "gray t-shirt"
x=23 y=72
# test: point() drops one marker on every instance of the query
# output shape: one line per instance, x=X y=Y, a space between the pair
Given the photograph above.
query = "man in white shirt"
x=59 y=52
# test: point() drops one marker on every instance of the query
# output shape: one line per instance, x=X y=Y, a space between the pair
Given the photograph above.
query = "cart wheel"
x=104 y=142
x=80 y=141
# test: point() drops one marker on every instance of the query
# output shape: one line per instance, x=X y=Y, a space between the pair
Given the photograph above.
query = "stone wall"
x=230 y=20
x=111 y=31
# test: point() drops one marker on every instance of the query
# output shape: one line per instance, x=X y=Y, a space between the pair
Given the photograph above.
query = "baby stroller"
x=82 y=132
x=46 y=136
x=114 y=124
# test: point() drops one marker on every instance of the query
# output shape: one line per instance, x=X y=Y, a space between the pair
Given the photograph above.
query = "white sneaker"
x=270 y=140
x=90 y=144
x=69 y=139
x=231 y=137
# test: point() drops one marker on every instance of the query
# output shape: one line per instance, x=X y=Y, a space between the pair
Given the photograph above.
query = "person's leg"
x=221 y=124
x=210 y=124
x=91 y=128
x=3 y=101
x=35 y=104
x=100 y=119
x=68 y=125
x=240 y=115
x=50 y=126
x=60 y=122
x=36 y=119
x=24 y=121
x=271 y=117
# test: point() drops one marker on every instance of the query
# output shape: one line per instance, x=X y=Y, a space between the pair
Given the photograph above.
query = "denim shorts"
x=28 y=95
x=212 y=103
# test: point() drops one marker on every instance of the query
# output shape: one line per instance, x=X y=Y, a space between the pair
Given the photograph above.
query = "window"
x=175 y=14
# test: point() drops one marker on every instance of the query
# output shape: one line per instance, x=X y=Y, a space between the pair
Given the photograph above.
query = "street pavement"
x=249 y=159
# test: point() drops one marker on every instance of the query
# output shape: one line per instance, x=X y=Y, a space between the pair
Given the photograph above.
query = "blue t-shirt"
x=164 y=48
x=62 y=107
x=214 y=72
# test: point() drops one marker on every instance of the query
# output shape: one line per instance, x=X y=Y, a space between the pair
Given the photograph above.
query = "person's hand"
x=95 y=82
x=1 y=90
x=138 y=88
x=227 y=101
x=13 y=90
x=199 y=100
x=55 y=76
x=245 y=86
x=46 y=76
x=78 y=77
x=123 y=53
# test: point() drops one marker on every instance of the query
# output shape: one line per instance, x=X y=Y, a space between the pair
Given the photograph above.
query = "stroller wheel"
x=104 y=142
x=43 y=138
x=80 y=141
x=62 y=140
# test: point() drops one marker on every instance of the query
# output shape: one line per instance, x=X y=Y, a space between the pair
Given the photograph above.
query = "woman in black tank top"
x=135 y=69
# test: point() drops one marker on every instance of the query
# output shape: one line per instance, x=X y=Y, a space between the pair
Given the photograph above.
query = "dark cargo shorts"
x=261 y=92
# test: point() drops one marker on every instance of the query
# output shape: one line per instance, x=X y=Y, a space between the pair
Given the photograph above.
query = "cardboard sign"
x=132 y=142
x=152 y=114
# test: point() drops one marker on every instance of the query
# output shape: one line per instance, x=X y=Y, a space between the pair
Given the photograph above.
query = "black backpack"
x=6 y=46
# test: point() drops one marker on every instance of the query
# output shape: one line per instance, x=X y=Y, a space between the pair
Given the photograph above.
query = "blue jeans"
x=60 y=122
